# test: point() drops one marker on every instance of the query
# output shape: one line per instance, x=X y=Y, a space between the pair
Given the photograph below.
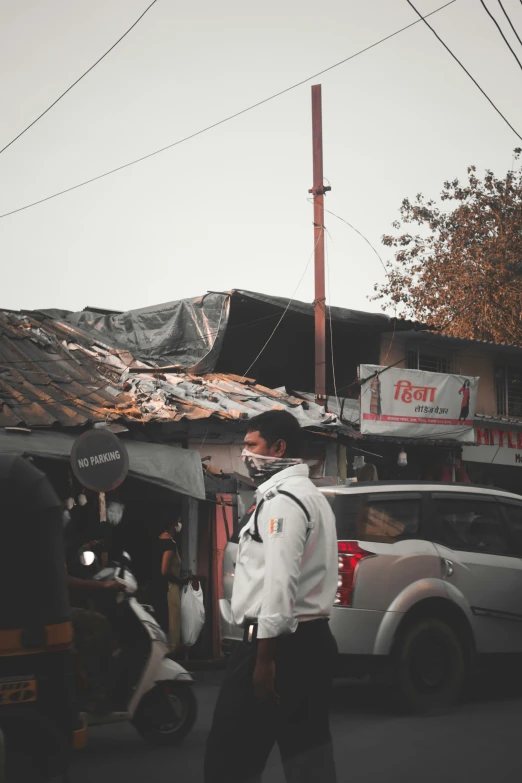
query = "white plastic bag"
x=192 y=615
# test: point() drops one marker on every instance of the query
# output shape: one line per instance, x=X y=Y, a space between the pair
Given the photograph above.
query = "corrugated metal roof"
x=481 y=418
x=422 y=335
x=42 y=384
x=53 y=375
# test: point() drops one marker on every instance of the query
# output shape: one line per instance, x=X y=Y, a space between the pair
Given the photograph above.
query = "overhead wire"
x=321 y=233
x=486 y=96
x=224 y=120
x=331 y=326
x=361 y=235
x=79 y=79
x=510 y=22
x=486 y=9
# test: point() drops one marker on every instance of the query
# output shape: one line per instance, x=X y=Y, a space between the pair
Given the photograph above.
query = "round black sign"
x=99 y=460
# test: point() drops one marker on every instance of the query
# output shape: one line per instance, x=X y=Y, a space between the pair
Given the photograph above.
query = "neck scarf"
x=261 y=468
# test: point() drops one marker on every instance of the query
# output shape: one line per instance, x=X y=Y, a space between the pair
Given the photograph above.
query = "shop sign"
x=495 y=447
x=99 y=460
x=414 y=403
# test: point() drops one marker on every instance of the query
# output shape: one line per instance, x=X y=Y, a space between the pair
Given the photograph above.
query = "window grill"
x=508 y=384
x=429 y=362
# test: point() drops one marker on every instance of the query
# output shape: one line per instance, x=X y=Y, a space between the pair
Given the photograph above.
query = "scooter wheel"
x=166 y=714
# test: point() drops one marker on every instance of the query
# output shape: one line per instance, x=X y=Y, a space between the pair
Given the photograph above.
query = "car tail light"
x=350 y=555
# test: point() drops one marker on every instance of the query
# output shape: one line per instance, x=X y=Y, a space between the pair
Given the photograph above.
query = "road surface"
x=480 y=741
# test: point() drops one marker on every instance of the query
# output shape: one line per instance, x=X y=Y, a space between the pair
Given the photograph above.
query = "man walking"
x=279 y=678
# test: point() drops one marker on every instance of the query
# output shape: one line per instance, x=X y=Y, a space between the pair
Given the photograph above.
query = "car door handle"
x=447 y=568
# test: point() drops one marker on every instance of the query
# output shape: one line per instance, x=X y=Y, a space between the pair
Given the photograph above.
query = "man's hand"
x=264 y=682
x=112 y=586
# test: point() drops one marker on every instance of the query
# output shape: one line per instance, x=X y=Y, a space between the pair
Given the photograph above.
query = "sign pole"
x=100 y=462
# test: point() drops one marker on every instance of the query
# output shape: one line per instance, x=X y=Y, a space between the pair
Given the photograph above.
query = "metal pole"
x=318 y=192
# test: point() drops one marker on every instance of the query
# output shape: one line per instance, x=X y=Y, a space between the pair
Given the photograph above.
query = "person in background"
x=167 y=582
x=368 y=473
x=92 y=638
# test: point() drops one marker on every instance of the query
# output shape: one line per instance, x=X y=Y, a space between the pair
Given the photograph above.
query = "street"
x=479 y=741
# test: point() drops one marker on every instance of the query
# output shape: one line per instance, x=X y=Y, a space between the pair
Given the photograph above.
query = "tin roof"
x=53 y=375
x=434 y=336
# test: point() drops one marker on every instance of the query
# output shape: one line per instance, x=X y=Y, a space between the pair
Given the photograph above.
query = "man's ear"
x=279 y=448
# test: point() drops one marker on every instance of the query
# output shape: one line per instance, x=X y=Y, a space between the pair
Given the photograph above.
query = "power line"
x=464 y=69
x=331 y=329
x=79 y=79
x=361 y=235
x=276 y=327
x=221 y=122
x=486 y=9
x=510 y=22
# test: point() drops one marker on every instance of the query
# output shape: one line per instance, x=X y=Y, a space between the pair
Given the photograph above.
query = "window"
x=429 y=362
x=513 y=512
x=380 y=517
x=472 y=524
x=508 y=382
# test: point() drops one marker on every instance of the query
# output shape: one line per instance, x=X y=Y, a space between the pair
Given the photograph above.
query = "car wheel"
x=428 y=667
x=166 y=714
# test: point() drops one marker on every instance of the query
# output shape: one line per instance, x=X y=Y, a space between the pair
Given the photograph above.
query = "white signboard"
x=414 y=403
x=495 y=446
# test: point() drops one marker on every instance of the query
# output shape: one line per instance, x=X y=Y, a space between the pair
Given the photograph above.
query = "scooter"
x=148 y=689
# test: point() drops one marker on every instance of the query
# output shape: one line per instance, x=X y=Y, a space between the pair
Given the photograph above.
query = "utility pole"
x=318 y=192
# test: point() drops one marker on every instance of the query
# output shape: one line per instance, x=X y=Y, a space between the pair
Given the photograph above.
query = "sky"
x=229 y=208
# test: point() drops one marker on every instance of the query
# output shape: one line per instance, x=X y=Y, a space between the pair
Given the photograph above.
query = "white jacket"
x=290 y=574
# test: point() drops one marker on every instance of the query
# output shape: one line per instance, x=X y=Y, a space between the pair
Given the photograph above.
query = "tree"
x=462 y=272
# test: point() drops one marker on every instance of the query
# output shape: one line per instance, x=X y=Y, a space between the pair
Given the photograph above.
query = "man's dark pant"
x=244 y=731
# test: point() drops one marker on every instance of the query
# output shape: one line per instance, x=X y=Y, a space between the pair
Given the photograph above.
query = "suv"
x=430 y=577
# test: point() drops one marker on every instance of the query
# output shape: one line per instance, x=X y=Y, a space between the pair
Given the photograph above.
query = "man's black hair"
x=279 y=425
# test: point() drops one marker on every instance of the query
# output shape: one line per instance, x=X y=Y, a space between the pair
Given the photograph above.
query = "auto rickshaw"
x=38 y=714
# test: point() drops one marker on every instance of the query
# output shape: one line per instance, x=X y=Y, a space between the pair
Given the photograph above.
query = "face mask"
x=82 y=499
x=263 y=467
x=115 y=513
x=178 y=527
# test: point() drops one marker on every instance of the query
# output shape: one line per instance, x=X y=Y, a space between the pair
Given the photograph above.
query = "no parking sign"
x=99 y=460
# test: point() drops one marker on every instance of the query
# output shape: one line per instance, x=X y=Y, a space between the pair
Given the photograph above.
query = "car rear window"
x=380 y=517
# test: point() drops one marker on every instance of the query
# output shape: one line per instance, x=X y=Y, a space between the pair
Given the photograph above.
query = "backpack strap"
x=256 y=534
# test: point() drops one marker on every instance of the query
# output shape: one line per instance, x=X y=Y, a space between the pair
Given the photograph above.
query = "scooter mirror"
x=87 y=558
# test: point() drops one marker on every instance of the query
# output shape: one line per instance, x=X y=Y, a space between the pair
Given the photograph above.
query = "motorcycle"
x=147 y=688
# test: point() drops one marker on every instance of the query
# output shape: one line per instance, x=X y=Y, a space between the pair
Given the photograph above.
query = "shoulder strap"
x=299 y=503
x=256 y=534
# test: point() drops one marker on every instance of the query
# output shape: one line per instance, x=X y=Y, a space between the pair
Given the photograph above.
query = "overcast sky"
x=229 y=209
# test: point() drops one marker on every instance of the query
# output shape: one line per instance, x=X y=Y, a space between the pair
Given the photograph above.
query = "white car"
x=430 y=581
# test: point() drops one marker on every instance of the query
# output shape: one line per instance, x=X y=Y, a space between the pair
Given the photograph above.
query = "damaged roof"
x=42 y=383
x=53 y=375
x=191 y=332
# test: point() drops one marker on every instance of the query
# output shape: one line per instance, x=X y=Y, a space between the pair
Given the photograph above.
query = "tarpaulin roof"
x=190 y=332
x=170 y=467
